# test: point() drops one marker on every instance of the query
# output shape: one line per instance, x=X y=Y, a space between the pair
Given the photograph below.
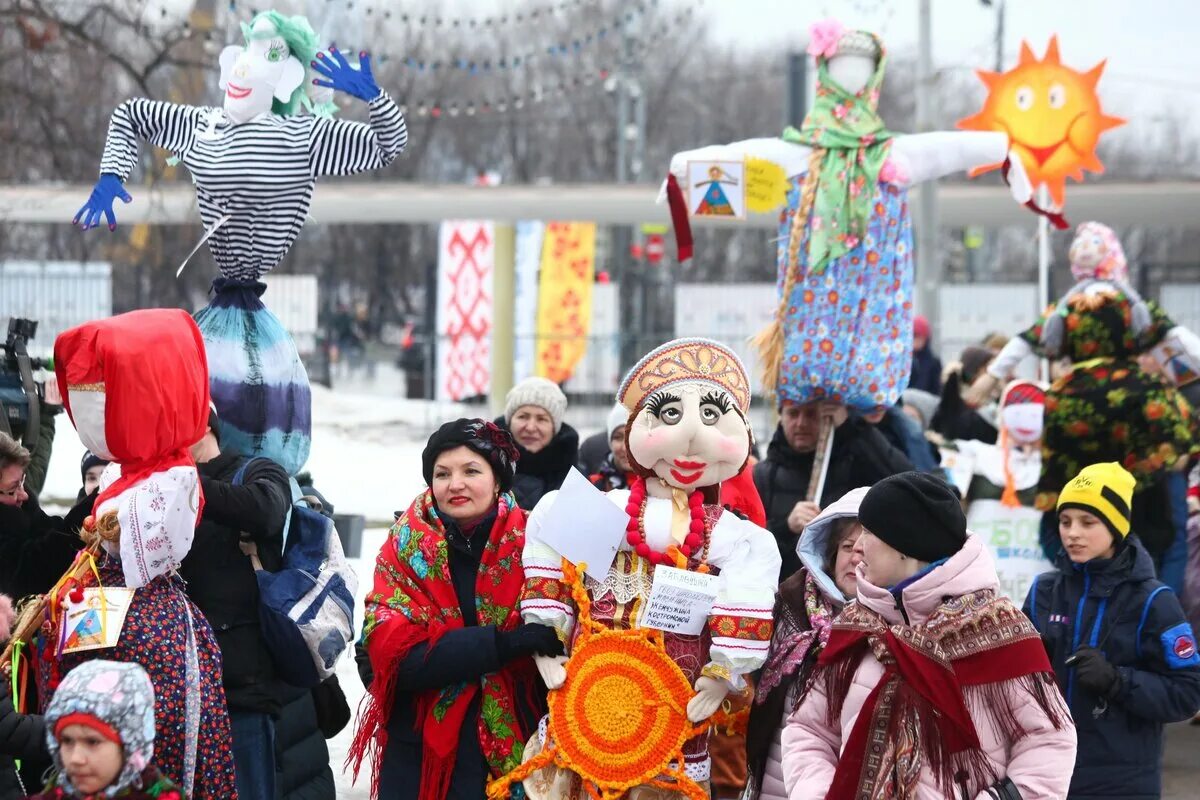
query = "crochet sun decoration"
x=620 y=719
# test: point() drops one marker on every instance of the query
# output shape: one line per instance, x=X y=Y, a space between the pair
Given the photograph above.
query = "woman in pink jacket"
x=932 y=685
x=807 y=604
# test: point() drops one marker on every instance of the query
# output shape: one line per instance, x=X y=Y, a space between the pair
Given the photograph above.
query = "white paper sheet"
x=583 y=526
x=680 y=601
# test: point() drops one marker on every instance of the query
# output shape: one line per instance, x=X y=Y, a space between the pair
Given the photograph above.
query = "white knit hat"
x=540 y=392
x=616 y=418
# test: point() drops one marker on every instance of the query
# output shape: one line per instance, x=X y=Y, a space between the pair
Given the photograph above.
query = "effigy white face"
x=852 y=71
x=1087 y=251
x=689 y=435
x=1024 y=422
x=87 y=412
x=255 y=75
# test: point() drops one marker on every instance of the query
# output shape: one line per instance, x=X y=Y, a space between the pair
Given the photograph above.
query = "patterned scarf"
x=917 y=716
x=852 y=141
x=793 y=643
x=413 y=602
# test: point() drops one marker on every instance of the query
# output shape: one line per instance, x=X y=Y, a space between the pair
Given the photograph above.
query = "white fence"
x=58 y=295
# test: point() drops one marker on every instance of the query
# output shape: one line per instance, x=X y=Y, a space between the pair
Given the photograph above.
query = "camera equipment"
x=20 y=412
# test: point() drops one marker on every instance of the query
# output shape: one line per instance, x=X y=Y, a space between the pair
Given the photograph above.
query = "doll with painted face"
x=843 y=330
x=687 y=432
x=255 y=162
x=1000 y=487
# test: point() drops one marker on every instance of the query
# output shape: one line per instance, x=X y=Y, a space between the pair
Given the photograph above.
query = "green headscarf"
x=852 y=135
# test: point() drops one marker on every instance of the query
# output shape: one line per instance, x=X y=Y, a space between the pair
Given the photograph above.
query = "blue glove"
x=101 y=202
x=344 y=78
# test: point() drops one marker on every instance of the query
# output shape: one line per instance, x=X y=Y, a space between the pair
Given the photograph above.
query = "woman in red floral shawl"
x=455 y=693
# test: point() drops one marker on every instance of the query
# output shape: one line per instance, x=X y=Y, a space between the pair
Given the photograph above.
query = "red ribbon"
x=679 y=219
x=1056 y=218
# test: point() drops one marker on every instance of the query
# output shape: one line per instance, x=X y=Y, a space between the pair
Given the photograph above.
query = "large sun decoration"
x=620 y=718
x=1052 y=117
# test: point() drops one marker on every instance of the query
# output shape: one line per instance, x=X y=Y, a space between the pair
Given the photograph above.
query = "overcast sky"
x=1149 y=44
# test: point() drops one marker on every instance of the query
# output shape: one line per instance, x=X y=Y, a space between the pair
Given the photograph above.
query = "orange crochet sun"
x=1051 y=114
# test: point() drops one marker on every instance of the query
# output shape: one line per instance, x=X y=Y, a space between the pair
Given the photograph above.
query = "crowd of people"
x=1102 y=652
x=969 y=588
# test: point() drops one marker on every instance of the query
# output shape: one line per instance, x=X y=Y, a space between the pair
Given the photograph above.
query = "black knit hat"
x=917 y=514
x=486 y=438
x=90 y=460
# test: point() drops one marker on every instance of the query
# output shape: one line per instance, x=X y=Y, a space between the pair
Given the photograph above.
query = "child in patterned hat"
x=100 y=733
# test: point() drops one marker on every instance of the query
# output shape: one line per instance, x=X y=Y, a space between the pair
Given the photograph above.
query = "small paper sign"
x=584 y=526
x=961 y=468
x=766 y=185
x=680 y=601
x=95 y=622
x=1178 y=364
x=717 y=189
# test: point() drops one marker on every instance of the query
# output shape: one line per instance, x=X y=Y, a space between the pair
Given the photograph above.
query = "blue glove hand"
x=101 y=202
x=344 y=78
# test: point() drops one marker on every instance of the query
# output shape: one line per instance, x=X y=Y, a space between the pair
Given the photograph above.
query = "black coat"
x=302 y=769
x=36 y=548
x=954 y=419
x=545 y=470
x=1117 y=606
x=462 y=654
x=926 y=371
x=220 y=578
x=23 y=737
x=861 y=456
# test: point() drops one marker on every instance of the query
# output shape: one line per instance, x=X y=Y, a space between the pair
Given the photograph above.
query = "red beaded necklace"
x=697 y=537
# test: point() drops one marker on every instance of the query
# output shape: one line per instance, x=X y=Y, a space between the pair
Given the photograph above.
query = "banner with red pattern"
x=466 y=258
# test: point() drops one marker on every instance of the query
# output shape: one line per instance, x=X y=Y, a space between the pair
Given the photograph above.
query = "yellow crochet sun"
x=620 y=718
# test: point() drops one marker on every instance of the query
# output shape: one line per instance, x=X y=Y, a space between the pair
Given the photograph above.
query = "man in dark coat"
x=22 y=737
x=240 y=510
x=861 y=456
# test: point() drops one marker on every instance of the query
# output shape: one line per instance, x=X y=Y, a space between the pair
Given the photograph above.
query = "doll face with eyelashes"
x=690 y=436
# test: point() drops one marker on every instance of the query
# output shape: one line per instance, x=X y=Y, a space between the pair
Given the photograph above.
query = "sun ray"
x=1052 y=56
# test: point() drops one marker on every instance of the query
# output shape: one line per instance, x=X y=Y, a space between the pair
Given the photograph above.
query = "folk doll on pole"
x=687 y=403
x=1110 y=406
x=136 y=389
x=843 y=330
x=255 y=162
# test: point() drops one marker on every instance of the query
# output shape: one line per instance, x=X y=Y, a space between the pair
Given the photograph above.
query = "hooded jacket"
x=1117 y=606
x=1039 y=763
x=861 y=457
x=767 y=718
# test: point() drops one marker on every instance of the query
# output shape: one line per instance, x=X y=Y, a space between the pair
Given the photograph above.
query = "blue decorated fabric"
x=848 y=330
x=257 y=381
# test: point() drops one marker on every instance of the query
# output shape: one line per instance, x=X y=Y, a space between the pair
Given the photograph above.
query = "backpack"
x=306 y=608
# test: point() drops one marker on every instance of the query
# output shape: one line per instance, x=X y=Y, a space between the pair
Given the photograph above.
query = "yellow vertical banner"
x=565 y=298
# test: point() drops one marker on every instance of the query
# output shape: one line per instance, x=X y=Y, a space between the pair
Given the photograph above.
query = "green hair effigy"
x=300 y=39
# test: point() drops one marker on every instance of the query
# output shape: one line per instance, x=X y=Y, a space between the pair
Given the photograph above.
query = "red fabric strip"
x=679 y=219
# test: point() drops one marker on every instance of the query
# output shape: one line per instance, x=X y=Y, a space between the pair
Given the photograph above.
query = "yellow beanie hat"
x=1105 y=490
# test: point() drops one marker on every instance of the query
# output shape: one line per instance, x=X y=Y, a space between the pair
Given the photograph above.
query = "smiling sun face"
x=1051 y=114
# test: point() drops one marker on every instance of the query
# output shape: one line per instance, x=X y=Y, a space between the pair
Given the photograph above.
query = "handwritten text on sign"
x=680 y=601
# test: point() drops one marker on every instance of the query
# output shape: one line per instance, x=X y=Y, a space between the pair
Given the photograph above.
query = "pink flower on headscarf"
x=823 y=38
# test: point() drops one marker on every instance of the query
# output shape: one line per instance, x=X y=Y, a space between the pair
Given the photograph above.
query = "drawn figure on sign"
x=715 y=203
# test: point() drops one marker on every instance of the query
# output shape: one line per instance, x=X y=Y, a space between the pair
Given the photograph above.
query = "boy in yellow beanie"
x=1123 y=652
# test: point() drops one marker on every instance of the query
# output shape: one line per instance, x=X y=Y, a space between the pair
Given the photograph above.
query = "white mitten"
x=1018 y=179
x=553 y=670
x=709 y=694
